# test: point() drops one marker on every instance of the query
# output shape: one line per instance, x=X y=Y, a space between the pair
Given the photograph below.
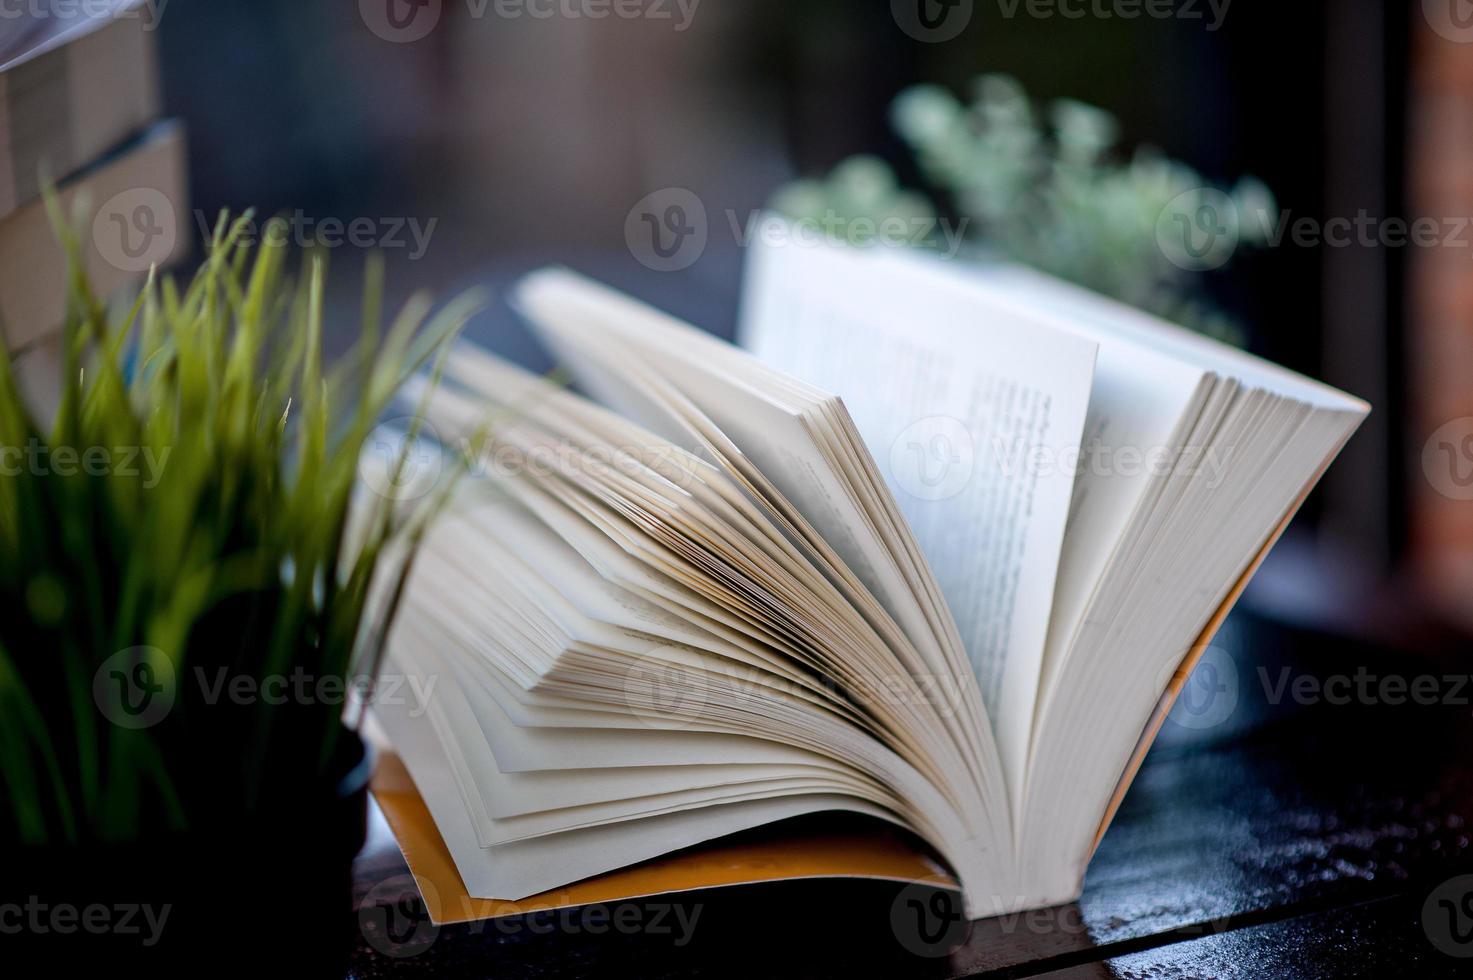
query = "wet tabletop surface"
x=1303 y=814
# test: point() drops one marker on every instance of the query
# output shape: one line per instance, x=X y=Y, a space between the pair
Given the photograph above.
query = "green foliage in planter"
x=206 y=542
x=1055 y=196
x=861 y=187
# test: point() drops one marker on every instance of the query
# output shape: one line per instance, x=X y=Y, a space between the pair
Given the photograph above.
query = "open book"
x=929 y=546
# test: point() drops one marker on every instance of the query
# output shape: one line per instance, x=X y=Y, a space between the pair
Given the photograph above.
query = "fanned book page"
x=974 y=416
x=930 y=551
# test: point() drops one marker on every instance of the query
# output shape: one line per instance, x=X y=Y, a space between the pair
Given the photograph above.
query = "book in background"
x=80 y=107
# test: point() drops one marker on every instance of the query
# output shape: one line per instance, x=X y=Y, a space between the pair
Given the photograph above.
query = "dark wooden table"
x=1302 y=815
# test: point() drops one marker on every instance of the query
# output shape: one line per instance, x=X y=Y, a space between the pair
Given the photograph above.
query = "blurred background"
x=513 y=133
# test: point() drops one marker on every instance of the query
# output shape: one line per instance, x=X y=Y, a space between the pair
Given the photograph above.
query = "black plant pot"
x=240 y=895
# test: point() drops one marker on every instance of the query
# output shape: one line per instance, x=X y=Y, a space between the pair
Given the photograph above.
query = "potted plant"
x=186 y=562
x=1046 y=188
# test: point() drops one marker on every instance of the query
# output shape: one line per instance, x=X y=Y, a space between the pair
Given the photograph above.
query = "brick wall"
x=1440 y=310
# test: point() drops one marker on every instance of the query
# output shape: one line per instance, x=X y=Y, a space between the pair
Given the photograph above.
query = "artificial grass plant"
x=201 y=559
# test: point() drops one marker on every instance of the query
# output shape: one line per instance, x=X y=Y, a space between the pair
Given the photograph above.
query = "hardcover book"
x=75 y=83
